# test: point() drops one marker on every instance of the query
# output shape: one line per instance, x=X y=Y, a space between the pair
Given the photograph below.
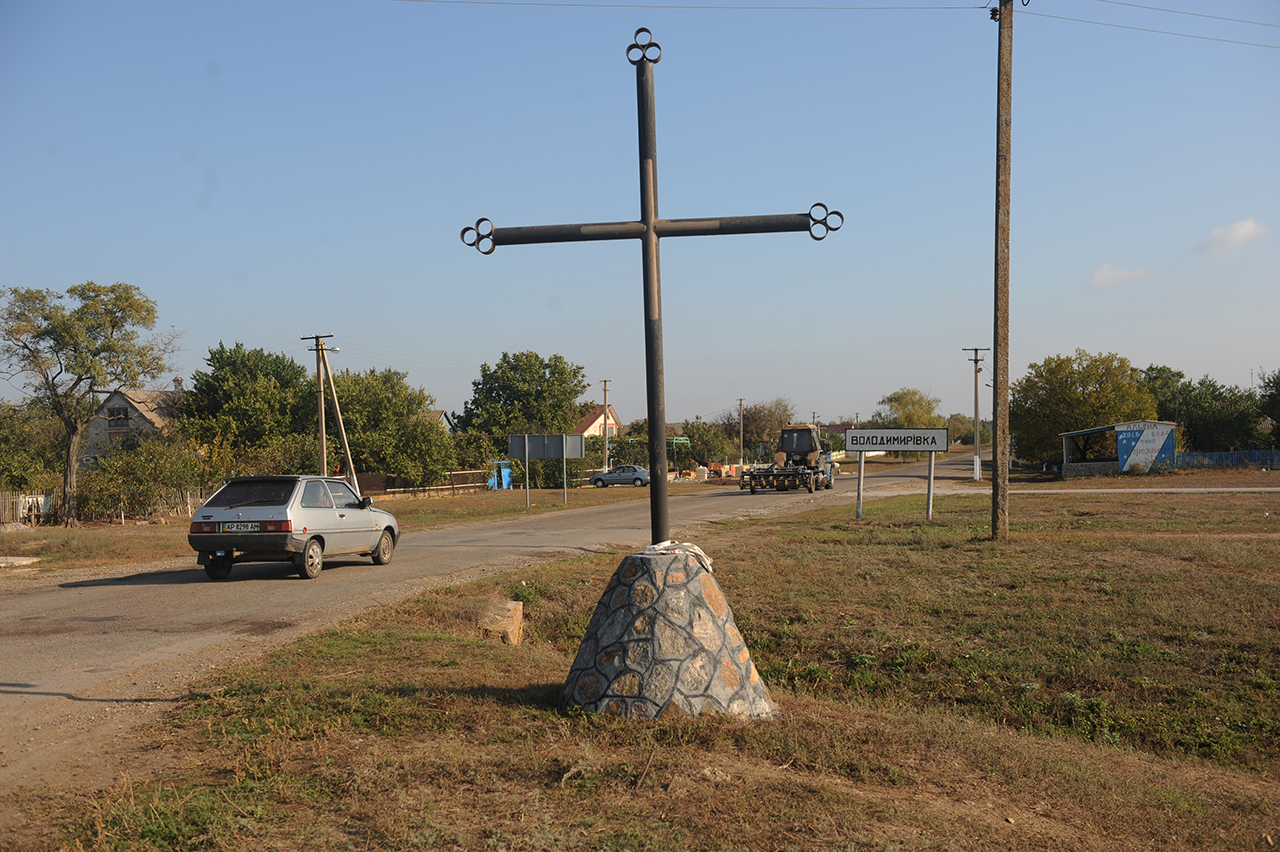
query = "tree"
x=250 y=396
x=762 y=424
x=525 y=393
x=960 y=429
x=1270 y=397
x=1066 y=393
x=907 y=408
x=708 y=441
x=1220 y=418
x=389 y=427
x=66 y=358
x=30 y=447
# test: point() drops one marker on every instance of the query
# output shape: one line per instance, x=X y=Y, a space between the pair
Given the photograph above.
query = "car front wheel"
x=598 y=483
x=637 y=482
x=312 y=560
x=385 y=550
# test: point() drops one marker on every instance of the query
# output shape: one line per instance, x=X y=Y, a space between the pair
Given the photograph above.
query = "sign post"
x=863 y=441
x=563 y=447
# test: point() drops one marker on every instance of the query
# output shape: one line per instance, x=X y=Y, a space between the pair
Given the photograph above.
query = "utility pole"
x=741 y=453
x=319 y=350
x=813 y=417
x=606 y=422
x=977 y=414
x=1000 y=343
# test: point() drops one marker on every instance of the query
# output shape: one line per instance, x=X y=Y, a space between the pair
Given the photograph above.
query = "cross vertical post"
x=644 y=53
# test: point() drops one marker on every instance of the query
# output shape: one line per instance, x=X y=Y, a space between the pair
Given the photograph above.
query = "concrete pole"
x=741 y=450
x=342 y=431
x=1000 y=344
x=606 y=423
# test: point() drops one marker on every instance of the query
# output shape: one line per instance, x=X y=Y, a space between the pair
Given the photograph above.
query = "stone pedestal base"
x=662 y=643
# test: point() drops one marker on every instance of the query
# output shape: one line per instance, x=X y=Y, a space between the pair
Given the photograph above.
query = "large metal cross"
x=644 y=53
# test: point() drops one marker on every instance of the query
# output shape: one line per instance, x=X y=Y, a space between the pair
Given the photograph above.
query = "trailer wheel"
x=809 y=484
x=753 y=488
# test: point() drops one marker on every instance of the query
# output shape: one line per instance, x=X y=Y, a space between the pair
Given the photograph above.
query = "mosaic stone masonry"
x=662 y=643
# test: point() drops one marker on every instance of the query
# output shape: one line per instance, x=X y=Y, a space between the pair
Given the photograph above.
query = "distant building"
x=1134 y=447
x=126 y=411
x=597 y=420
x=439 y=415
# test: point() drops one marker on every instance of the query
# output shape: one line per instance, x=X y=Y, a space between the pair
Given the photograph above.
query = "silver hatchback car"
x=299 y=519
x=627 y=474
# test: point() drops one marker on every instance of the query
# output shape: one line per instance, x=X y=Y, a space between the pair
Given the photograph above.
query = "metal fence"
x=1240 y=458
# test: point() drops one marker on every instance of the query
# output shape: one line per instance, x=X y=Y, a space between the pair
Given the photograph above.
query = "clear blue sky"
x=265 y=170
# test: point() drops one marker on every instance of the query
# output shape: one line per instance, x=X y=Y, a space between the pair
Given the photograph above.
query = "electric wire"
x=700 y=7
x=1182 y=12
x=1149 y=30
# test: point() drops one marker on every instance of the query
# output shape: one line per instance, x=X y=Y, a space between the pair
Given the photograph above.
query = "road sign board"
x=546 y=446
x=895 y=440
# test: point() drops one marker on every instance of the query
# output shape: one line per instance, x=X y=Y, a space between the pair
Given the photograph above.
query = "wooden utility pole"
x=1000 y=345
x=319 y=350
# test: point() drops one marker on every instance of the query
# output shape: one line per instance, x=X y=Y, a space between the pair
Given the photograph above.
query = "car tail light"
x=277 y=526
x=197 y=527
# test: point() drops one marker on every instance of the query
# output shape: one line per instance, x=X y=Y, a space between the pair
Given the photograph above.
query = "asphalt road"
x=89 y=653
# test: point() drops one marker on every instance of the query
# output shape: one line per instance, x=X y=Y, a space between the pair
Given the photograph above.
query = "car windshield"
x=258 y=492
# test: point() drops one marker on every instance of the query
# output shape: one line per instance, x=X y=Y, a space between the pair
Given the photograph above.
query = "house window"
x=117 y=418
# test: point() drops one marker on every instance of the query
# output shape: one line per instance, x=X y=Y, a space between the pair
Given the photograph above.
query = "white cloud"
x=1108 y=276
x=1234 y=236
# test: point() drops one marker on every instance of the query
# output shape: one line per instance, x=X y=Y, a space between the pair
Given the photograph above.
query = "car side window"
x=314 y=496
x=342 y=495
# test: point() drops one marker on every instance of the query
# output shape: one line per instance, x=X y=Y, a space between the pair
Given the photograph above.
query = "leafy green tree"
x=708 y=442
x=907 y=408
x=960 y=429
x=67 y=357
x=473 y=450
x=1270 y=398
x=1211 y=417
x=30 y=447
x=1220 y=418
x=389 y=427
x=762 y=424
x=1065 y=393
x=250 y=397
x=525 y=393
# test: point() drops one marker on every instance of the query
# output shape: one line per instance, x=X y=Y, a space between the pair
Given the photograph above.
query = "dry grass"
x=1105 y=681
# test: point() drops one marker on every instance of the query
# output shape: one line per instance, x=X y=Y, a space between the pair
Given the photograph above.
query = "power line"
x=1193 y=14
x=691 y=6
x=1148 y=30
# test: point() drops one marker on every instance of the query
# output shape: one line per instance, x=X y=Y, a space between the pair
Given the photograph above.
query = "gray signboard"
x=547 y=446
x=895 y=440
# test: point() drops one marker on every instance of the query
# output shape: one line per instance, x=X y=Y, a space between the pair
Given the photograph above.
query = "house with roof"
x=439 y=415
x=126 y=411
x=599 y=421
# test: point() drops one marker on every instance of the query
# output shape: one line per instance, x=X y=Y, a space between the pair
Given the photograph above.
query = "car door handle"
x=340 y=515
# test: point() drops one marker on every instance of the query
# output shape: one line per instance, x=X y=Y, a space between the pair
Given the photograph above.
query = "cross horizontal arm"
x=733 y=225
x=819 y=222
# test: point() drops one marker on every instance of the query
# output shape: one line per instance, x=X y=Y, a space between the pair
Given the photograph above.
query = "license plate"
x=241 y=526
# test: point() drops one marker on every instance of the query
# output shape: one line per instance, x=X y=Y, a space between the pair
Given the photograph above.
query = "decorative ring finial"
x=823 y=221
x=644 y=48
x=479 y=236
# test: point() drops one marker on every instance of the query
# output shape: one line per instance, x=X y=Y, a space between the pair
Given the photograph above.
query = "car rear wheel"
x=385 y=550
x=312 y=560
x=219 y=568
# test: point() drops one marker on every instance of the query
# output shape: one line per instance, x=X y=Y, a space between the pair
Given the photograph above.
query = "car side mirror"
x=366 y=502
